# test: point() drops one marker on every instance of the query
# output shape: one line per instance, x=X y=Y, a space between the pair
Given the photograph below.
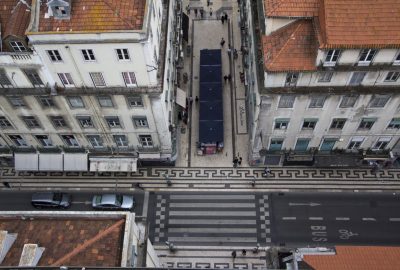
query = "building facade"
x=329 y=82
x=107 y=81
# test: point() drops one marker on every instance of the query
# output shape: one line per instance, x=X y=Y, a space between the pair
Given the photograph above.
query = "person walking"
x=201 y=13
x=188 y=9
x=225 y=78
x=267 y=171
x=235 y=162
x=240 y=161
x=229 y=77
x=222 y=19
x=195 y=12
x=208 y=3
x=190 y=100
x=197 y=99
x=244 y=252
x=226 y=17
x=222 y=42
x=211 y=11
x=233 y=254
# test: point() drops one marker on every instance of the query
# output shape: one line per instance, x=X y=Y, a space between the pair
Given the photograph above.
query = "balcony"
x=151 y=149
x=26 y=60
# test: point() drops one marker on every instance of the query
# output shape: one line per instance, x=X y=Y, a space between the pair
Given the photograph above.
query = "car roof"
x=43 y=196
x=108 y=198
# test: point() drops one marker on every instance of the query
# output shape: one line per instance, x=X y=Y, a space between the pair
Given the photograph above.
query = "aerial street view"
x=200 y=134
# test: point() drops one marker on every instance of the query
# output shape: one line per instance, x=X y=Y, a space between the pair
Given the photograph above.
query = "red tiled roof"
x=14 y=18
x=357 y=258
x=291 y=8
x=97 y=16
x=359 y=23
x=69 y=241
x=291 y=48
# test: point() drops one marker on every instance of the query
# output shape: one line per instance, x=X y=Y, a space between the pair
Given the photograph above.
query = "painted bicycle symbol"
x=346 y=234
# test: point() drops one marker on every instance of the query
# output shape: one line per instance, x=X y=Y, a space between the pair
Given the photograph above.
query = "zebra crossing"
x=212 y=219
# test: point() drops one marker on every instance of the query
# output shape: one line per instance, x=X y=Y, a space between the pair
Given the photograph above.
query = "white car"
x=113 y=202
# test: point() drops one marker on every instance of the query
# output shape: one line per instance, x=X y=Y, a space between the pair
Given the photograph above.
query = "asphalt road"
x=81 y=201
x=335 y=218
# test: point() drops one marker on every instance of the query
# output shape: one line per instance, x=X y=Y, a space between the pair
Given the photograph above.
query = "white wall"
x=273 y=24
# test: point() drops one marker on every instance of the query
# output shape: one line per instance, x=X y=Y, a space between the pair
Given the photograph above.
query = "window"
x=113 y=121
x=394 y=123
x=338 y=123
x=44 y=140
x=129 y=78
x=88 y=55
x=85 y=121
x=145 y=140
x=66 y=79
x=4 y=80
x=105 y=101
x=121 y=140
x=58 y=121
x=379 y=101
x=70 y=140
x=325 y=76
x=286 y=101
x=17 y=46
x=302 y=144
x=366 y=57
x=4 y=123
x=291 y=79
x=97 y=78
x=328 y=144
x=392 y=76
x=331 y=57
x=31 y=121
x=381 y=143
x=33 y=77
x=17 y=140
x=281 y=123
x=355 y=143
x=76 y=102
x=134 y=101
x=17 y=101
x=348 y=101
x=397 y=59
x=95 y=140
x=276 y=144
x=123 y=54
x=46 y=102
x=357 y=78
x=54 y=55
x=140 y=122
x=367 y=123
x=309 y=123
x=317 y=101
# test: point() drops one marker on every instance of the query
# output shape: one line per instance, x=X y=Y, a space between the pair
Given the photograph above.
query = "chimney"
x=30 y=255
x=59 y=9
x=6 y=241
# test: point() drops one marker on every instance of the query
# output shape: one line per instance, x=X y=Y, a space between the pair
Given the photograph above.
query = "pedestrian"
x=201 y=13
x=233 y=254
x=240 y=161
x=235 y=162
x=197 y=99
x=226 y=17
x=235 y=54
x=195 y=12
x=229 y=50
x=244 y=252
x=190 y=100
x=211 y=11
x=225 y=78
x=188 y=9
x=208 y=3
x=229 y=77
x=267 y=171
x=222 y=19
x=222 y=42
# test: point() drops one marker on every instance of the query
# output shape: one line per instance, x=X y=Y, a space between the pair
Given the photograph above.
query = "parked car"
x=113 y=202
x=51 y=200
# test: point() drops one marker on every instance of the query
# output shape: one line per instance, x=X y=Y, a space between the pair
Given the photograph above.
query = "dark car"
x=113 y=202
x=51 y=200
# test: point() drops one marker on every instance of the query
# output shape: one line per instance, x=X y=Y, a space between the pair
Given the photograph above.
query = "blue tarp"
x=211 y=110
x=210 y=74
x=210 y=91
x=211 y=131
x=210 y=58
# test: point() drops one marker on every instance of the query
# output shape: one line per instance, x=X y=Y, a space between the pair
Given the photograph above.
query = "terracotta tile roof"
x=357 y=258
x=14 y=18
x=69 y=241
x=291 y=8
x=291 y=48
x=98 y=16
x=359 y=23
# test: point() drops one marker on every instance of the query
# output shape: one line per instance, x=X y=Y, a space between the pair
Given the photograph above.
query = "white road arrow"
x=304 y=204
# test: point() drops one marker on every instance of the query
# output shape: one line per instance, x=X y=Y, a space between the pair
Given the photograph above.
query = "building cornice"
x=332 y=90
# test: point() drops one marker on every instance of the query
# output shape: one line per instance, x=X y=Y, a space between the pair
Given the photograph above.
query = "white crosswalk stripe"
x=214 y=220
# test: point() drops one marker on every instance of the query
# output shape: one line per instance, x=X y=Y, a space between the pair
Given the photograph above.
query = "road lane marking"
x=212 y=221
x=368 y=219
x=212 y=197
x=214 y=213
x=214 y=239
x=212 y=205
x=316 y=218
x=342 y=218
x=212 y=230
x=289 y=218
x=394 y=219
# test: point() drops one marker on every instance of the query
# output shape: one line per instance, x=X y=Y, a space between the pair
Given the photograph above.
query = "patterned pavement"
x=223 y=179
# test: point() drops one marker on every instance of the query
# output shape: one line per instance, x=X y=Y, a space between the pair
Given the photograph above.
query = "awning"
x=113 y=164
x=26 y=161
x=50 y=162
x=181 y=97
x=149 y=155
x=75 y=162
